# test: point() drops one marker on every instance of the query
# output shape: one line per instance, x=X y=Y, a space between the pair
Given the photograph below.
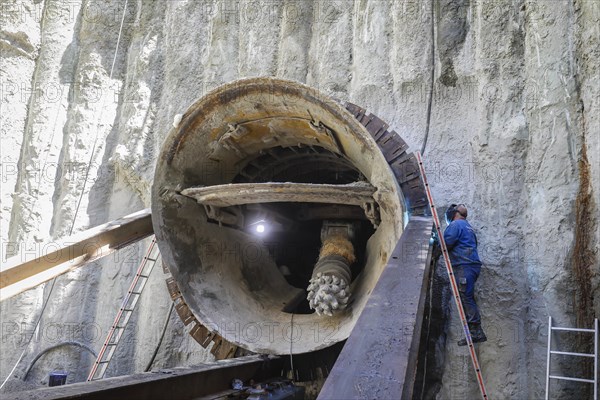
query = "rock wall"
x=513 y=132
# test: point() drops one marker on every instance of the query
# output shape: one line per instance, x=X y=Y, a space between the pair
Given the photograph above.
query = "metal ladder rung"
x=568 y=353
x=453 y=284
x=566 y=378
x=556 y=328
x=594 y=381
x=124 y=321
x=125 y=312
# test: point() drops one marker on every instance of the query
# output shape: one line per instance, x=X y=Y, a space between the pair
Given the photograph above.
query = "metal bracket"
x=228 y=216
x=372 y=212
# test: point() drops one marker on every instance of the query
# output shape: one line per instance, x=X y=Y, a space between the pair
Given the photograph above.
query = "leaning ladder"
x=125 y=312
x=567 y=353
x=453 y=284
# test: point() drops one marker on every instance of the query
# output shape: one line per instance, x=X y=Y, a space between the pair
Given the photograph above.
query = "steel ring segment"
x=400 y=163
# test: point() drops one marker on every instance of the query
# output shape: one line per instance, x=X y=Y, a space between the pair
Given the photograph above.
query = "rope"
x=78 y=202
x=432 y=77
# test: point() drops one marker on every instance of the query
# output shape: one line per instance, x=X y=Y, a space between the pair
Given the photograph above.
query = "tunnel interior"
x=248 y=265
x=291 y=231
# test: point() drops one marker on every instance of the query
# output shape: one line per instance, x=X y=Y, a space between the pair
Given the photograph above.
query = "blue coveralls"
x=462 y=247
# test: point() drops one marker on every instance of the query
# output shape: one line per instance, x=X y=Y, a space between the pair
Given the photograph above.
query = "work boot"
x=477 y=335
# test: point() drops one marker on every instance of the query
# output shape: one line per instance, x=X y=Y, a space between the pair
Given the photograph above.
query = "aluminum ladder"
x=567 y=353
x=125 y=312
x=453 y=285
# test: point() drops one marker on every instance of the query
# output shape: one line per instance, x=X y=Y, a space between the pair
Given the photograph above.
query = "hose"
x=37 y=324
x=67 y=343
x=432 y=77
x=162 y=335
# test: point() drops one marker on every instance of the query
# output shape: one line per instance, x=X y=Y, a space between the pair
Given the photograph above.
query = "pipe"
x=162 y=335
x=251 y=138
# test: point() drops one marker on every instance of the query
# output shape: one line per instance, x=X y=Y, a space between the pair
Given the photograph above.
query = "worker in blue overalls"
x=462 y=247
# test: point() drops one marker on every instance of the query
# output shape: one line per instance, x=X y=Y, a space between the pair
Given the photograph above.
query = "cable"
x=432 y=77
x=78 y=202
x=87 y=172
x=37 y=324
x=67 y=343
x=162 y=335
x=292 y=341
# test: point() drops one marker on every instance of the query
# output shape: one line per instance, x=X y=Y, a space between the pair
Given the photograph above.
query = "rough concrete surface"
x=514 y=133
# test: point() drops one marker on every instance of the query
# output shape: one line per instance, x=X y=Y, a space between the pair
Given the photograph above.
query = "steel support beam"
x=19 y=273
x=175 y=384
x=236 y=194
x=379 y=359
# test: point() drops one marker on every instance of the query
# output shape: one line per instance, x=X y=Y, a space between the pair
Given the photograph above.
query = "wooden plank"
x=235 y=194
x=20 y=273
x=379 y=358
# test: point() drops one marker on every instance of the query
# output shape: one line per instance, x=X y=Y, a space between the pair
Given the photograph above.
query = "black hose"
x=37 y=324
x=162 y=335
x=67 y=343
x=432 y=77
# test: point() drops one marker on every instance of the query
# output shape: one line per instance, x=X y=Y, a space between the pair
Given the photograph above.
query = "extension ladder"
x=567 y=353
x=125 y=312
x=455 y=291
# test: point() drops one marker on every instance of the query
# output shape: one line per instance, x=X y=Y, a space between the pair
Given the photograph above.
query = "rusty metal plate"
x=403 y=165
x=173 y=288
x=184 y=312
x=222 y=349
x=202 y=335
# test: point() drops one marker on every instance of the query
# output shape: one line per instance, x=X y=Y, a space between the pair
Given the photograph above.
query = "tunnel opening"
x=292 y=231
x=302 y=164
x=293 y=237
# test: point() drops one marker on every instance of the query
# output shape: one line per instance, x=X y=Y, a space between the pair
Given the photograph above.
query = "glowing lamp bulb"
x=260 y=228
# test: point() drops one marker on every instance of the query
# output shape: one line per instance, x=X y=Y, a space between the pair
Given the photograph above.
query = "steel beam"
x=236 y=194
x=379 y=359
x=19 y=273
x=175 y=384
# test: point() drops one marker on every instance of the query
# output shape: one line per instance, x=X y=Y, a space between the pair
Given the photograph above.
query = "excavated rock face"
x=514 y=104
